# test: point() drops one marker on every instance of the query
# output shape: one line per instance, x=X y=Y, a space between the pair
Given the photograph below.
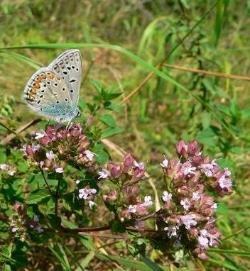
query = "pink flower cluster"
x=128 y=173
x=54 y=147
x=189 y=208
x=128 y=170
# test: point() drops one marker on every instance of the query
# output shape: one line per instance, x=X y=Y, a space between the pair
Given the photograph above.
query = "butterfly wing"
x=47 y=94
x=68 y=66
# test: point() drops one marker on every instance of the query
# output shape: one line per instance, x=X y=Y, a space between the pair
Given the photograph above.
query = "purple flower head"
x=182 y=148
x=111 y=196
x=138 y=170
x=193 y=148
x=115 y=170
x=128 y=162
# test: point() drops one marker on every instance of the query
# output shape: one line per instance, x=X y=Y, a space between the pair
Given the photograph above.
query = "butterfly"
x=53 y=91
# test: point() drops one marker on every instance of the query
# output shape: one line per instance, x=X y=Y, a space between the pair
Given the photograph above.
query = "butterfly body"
x=53 y=91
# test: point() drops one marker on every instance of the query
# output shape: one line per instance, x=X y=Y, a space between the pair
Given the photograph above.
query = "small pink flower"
x=187 y=169
x=50 y=155
x=164 y=163
x=139 y=170
x=103 y=174
x=90 y=155
x=86 y=193
x=203 y=241
x=166 y=197
x=59 y=170
x=188 y=220
x=147 y=201
x=209 y=168
x=132 y=209
x=171 y=231
x=196 y=196
x=39 y=135
x=139 y=165
x=185 y=204
x=225 y=182
x=91 y=204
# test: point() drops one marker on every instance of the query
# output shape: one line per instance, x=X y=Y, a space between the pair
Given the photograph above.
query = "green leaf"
x=108 y=120
x=111 y=131
x=117 y=226
x=101 y=155
x=85 y=262
x=38 y=196
x=151 y=264
x=126 y=262
x=61 y=256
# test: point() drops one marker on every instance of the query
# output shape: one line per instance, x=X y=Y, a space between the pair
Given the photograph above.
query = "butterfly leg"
x=69 y=125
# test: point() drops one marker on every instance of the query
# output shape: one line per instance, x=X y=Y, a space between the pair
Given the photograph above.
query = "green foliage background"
x=121 y=43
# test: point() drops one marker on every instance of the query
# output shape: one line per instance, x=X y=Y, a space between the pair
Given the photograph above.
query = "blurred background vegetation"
x=172 y=104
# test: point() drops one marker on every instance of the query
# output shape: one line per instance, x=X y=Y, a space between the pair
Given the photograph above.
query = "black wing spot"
x=69 y=68
x=57 y=102
x=66 y=100
x=38 y=102
x=55 y=84
x=72 y=67
x=44 y=85
x=77 y=69
x=71 y=90
x=63 y=89
x=72 y=80
x=65 y=73
x=42 y=90
x=48 y=83
x=41 y=96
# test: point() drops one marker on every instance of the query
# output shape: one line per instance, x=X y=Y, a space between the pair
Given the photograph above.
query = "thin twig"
x=209 y=73
x=7 y=128
x=50 y=191
x=21 y=129
x=57 y=196
x=86 y=229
